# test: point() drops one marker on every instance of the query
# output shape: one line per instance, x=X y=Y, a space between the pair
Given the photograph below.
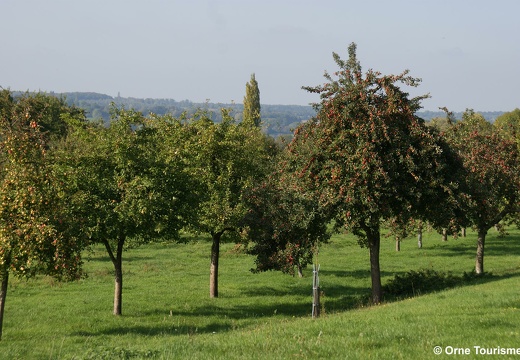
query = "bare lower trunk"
x=3 y=295
x=479 y=263
x=419 y=238
x=213 y=270
x=463 y=232
x=374 y=243
x=300 y=270
x=397 y=244
x=118 y=288
x=444 y=235
x=117 y=261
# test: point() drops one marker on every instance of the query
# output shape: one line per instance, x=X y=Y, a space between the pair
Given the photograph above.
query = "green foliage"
x=277 y=120
x=226 y=159
x=32 y=213
x=508 y=124
x=131 y=188
x=440 y=123
x=286 y=226
x=251 y=115
x=490 y=183
x=48 y=111
x=368 y=155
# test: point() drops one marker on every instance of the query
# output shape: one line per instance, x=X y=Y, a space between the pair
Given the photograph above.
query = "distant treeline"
x=277 y=120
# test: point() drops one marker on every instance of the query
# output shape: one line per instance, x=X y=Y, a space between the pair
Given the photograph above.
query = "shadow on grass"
x=230 y=315
x=495 y=246
x=505 y=245
x=335 y=299
x=356 y=274
x=233 y=311
x=452 y=250
x=415 y=283
x=126 y=259
x=158 y=330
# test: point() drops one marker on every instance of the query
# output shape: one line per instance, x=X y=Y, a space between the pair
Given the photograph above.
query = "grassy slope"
x=167 y=312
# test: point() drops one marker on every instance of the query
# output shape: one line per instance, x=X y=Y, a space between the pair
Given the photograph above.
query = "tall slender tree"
x=251 y=113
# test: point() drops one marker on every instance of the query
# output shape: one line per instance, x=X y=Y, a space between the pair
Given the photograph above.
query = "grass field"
x=167 y=312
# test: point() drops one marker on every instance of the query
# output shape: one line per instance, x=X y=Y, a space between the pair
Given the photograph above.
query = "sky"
x=467 y=52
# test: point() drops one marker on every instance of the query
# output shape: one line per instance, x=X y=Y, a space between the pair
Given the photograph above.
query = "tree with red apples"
x=33 y=216
x=368 y=158
x=491 y=186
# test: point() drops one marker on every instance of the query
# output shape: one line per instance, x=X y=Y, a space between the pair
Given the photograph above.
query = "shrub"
x=414 y=283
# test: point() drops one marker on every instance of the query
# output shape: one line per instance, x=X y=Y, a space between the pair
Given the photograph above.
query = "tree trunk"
x=117 y=260
x=397 y=244
x=300 y=270
x=419 y=238
x=463 y=232
x=479 y=263
x=213 y=270
x=374 y=244
x=118 y=287
x=444 y=235
x=3 y=294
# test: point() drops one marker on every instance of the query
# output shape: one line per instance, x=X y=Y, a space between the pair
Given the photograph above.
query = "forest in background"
x=277 y=120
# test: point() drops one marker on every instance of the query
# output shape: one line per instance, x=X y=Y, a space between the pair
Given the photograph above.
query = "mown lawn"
x=167 y=312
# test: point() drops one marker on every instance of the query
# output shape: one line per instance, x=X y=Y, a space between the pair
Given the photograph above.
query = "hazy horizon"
x=465 y=51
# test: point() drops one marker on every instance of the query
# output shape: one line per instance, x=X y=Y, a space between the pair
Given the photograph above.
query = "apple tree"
x=369 y=157
x=125 y=190
x=286 y=225
x=227 y=159
x=490 y=184
x=33 y=221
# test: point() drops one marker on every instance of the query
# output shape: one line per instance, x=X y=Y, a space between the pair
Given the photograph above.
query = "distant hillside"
x=277 y=120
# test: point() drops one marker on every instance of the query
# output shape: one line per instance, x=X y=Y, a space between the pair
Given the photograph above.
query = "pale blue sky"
x=466 y=51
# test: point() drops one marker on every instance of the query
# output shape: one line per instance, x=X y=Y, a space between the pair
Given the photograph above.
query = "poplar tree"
x=252 y=103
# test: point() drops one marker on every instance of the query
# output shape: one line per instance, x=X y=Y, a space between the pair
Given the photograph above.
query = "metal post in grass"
x=315 y=291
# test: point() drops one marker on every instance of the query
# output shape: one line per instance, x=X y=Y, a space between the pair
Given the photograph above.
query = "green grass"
x=167 y=312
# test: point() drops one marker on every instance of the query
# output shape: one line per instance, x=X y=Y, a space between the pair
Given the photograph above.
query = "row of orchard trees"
x=365 y=160
x=67 y=184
